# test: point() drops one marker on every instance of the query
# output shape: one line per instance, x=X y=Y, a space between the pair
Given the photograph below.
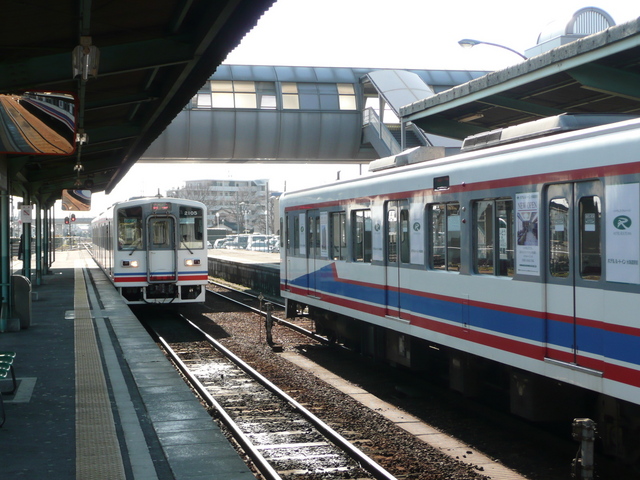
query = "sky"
x=401 y=34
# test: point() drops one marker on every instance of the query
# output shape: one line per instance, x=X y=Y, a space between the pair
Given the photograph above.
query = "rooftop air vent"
x=540 y=128
x=585 y=21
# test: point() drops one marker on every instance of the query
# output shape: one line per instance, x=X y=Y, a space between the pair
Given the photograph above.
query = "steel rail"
x=233 y=289
x=261 y=463
x=366 y=463
x=286 y=323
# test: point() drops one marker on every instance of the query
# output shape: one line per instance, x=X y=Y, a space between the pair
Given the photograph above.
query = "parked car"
x=221 y=242
x=274 y=244
x=258 y=246
x=258 y=242
x=239 y=242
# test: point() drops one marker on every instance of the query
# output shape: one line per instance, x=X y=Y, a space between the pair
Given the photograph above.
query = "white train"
x=512 y=267
x=154 y=250
x=55 y=109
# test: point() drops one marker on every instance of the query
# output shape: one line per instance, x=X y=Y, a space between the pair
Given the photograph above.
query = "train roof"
x=541 y=128
x=544 y=127
x=584 y=129
x=147 y=201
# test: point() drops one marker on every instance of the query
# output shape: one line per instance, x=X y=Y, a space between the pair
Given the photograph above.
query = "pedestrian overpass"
x=302 y=114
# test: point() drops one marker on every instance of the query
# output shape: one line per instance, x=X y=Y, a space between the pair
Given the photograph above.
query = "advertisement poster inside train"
x=528 y=246
x=623 y=233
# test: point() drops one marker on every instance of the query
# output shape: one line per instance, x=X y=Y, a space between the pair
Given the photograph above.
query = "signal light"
x=73 y=217
x=66 y=220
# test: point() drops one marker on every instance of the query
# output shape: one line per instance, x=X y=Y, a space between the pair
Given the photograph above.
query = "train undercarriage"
x=528 y=395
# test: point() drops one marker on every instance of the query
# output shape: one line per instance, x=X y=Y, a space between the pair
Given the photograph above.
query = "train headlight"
x=190 y=262
x=130 y=263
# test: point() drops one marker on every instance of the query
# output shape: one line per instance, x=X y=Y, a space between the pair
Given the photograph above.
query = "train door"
x=574 y=263
x=161 y=250
x=296 y=250
x=397 y=253
x=313 y=222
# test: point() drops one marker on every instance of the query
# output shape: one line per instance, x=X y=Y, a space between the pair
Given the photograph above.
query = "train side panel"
x=525 y=255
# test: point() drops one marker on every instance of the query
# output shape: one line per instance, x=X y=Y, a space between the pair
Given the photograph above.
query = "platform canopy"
x=142 y=62
x=599 y=73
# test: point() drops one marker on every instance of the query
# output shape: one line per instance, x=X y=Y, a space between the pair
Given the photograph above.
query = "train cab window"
x=559 y=264
x=338 y=226
x=362 y=246
x=590 y=248
x=191 y=228
x=129 y=228
x=161 y=229
x=445 y=236
x=494 y=237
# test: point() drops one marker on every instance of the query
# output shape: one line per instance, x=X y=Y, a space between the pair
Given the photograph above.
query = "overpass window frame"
x=202 y=100
x=290 y=97
x=238 y=94
x=347 y=96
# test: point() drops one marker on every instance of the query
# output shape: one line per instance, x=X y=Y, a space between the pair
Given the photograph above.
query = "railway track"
x=258 y=304
x=242 y=298
x=284 y=439
x=31 y=130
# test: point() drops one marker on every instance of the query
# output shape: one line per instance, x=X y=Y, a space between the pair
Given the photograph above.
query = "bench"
x=6 y=367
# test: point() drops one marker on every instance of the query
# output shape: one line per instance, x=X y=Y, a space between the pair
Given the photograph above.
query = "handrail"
x=419 y=133
x=370 y=117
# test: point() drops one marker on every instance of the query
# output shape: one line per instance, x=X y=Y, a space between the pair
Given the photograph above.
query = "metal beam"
x=114 y=59
x=520 y=106
x=447 y=128
x=608 y=80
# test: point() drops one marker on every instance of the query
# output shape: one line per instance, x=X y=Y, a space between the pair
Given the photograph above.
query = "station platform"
x=96 y=398
x=264 y=259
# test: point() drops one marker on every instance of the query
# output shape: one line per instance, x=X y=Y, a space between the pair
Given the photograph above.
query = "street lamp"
x=244 y=208
x=468 y=43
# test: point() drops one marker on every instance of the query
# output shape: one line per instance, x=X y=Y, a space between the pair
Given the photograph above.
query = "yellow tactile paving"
x=97 y=449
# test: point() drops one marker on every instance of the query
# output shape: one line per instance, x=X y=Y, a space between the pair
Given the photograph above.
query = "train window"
x=161 y=229
x=130 y=228
x=494 y=237
x=338 y=225
x=361 y=221
x=191 y=228
x=445 y=236
x=405 y=247
x=590 y=248
x=296 y=235
x=392 y=234
x=398 y=232
x=559 y=260
x=314 y=235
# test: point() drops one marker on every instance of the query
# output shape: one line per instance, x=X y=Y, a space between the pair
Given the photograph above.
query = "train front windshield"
x=130 y=228
x=191 y=230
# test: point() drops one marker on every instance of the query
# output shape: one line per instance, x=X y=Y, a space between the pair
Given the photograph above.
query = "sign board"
x=623 y=233
x=527 y=247
x=26 y=213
